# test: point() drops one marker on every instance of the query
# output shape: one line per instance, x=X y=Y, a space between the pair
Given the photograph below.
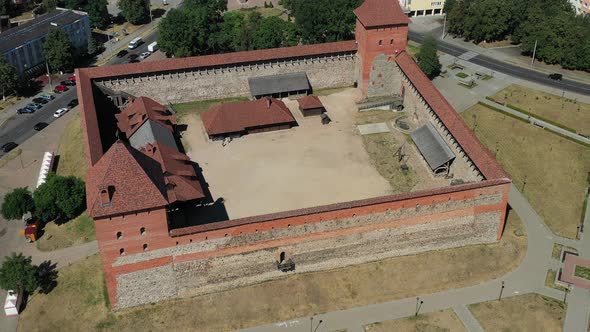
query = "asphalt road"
x=502 y=67
x=20 y=127
x=140 y=49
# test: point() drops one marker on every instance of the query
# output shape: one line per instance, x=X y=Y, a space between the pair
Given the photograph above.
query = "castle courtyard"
x=305 y=166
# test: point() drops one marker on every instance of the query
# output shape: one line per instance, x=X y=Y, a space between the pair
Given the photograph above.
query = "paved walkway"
x=529 y=277
x=535 y=121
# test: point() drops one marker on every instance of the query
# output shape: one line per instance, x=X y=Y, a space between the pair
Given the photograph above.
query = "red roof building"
x=139 y=111
x=311 y=105
x=239 y=118
x=375 y=13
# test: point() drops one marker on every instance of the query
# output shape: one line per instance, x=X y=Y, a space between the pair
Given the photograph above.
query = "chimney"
x=268 y=102
x=106 y=196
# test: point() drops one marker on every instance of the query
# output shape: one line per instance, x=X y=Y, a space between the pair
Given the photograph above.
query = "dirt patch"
x=555 y=169
x=568 y=112
x=72 y=233
x=309 y=165
x=529 y=312
x=80 y=291
x=445 y=320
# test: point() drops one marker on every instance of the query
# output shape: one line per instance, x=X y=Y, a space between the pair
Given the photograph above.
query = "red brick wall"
x=374 y=41
x=157 y=236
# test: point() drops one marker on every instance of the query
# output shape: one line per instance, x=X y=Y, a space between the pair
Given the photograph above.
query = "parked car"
x=68 y=82
x=60 y=112
x=47 y=96
x=25 y=111
x=132 y=56
x=153 y=47
x=60 y=88
x=34 y=106
x=40 y=100
x=73 y=103
x=122 y=53
x=144 y=55
x=72 y=78
x=556 y=76
x=40 y=125
x=7 y=147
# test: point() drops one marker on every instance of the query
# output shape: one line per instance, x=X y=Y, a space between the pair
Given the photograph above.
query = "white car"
x=60 y=112
x=144 y=55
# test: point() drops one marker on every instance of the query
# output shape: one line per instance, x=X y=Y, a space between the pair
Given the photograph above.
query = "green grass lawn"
x=563 y=110
x=71 y=150
x=551 y=171
x=72 y=233
x=461 y=75
x=582 y=272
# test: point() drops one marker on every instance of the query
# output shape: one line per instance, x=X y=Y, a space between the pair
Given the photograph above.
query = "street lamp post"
x=501 y=291
x=534 y=52
x=444 y=27
x=418 y=305
x=150 y=10
x=48 y=74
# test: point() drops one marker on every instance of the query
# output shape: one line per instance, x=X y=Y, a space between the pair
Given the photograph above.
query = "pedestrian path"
x=535 y=121
x=471 y=324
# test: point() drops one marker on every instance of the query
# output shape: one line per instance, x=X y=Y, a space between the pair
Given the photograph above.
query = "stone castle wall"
x=239 y=259
x=211 y=83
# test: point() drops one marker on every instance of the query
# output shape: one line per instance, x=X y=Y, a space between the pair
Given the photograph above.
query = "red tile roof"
x=479 y=154
x=225 y=59
x=374 y=13
x=310 y=102
x=236 y=117
x=139 y=111
x=180 y=179
x=135 y=178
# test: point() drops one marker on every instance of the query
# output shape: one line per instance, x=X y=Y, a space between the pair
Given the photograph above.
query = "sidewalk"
x=535 y=122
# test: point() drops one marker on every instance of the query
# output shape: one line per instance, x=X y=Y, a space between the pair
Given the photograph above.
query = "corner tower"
x=381 y=28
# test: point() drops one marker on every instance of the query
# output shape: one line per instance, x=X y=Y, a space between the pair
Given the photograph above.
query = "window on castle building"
x=380 y=42
x=122 y=251
x=142 y=231
x=391 y=42
x=119 y=235
x=145 y=247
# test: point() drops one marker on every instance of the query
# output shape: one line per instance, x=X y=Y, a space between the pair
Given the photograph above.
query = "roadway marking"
x=468 y=55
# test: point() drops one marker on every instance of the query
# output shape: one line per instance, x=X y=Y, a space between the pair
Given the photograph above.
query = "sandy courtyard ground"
x=305 y=166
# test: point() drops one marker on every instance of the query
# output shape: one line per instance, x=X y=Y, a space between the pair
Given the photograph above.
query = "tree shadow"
x=29 y=88
x=47 y=273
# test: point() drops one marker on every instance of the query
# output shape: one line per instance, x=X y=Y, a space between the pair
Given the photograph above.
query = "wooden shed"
x=311 y=105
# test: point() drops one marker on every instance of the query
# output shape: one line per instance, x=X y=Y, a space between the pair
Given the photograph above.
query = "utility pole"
x=48 y=74
x=444 y=27
x=534 y=52
x=149 y=5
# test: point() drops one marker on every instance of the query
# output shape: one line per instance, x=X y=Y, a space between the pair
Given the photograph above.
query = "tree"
x=487 y=20
x=17 y=272
x=322 y=21
x=230 y=35
x=49 y=5
x=58 y=50
x=92 y=46
x=5 y=7
x=59 y=195
x=70 y=195
x=135 y=11
x=8 y=78
x=98 y=13
x=428 y=59
x=273 y=32
x=17 y=203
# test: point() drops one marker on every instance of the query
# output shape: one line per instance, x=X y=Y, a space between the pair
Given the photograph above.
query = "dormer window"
x=106 y=196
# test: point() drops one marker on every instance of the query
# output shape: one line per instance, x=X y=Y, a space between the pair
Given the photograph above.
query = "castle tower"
x=381 y=28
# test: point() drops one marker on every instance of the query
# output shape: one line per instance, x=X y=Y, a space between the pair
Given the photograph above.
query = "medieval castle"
x=139 y=176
